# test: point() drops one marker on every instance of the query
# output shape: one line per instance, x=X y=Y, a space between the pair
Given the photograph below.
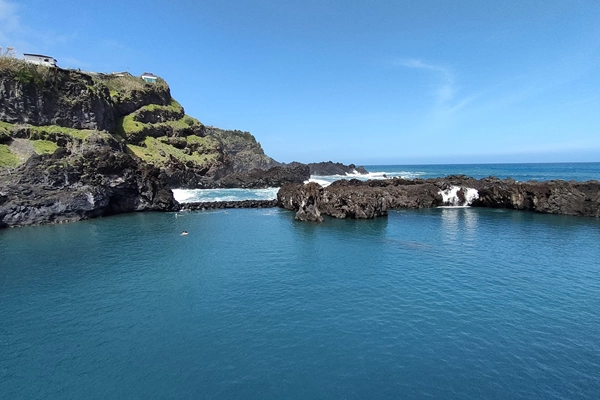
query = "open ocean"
x=447 y=303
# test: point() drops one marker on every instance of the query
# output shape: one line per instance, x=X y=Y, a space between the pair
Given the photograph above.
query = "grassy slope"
x=156 y=151
x=7 y=158
x=42 y=138
x=44 y=146
x=198 y=150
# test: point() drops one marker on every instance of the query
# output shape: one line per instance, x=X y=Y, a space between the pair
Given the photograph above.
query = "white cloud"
x=446 y=88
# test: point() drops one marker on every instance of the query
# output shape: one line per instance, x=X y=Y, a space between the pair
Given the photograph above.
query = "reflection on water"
x=459 y=224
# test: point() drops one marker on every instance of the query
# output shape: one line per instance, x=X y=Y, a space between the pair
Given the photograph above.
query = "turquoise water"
x=440 y=303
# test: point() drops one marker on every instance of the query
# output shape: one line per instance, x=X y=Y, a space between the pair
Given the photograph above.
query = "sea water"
x=519 y=172
x=441 y=303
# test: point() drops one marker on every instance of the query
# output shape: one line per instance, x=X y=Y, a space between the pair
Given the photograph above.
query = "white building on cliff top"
x=149 y=77
x=40 y=59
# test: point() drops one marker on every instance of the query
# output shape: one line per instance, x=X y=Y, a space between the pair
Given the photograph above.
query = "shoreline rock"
x=258 y=179
x=214 y=205
x=373 y=198
x=66 y=187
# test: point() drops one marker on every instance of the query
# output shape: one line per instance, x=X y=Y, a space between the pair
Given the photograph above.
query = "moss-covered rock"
x=47 y=110
x=242 y=149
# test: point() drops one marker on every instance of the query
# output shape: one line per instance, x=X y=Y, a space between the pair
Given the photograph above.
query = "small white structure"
x=40 y=60
x=149 y=77
x=117 y=74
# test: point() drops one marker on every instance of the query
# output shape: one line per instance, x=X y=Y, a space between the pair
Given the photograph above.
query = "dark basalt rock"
x=330 y=168
x=64 y=98
x=214 y=205
x=553 y=197
x=274 y=177
x=65 y=187
x=370 y=199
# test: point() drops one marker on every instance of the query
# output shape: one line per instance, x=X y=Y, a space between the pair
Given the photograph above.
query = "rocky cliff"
x=370 y=199
x=57 y=127
x=69 y=186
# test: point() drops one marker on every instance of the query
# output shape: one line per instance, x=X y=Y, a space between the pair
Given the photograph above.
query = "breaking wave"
x=203 y=195
x=452 y=199
x=326 y=180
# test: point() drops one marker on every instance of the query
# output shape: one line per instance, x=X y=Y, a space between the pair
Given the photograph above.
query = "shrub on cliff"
x=122 y=87
x=25 y=72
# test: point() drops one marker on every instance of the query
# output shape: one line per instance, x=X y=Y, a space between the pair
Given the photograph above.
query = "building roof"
x=149 y=75
x=37 y=55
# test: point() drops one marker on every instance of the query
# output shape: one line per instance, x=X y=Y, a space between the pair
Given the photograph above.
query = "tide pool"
x=445 y=303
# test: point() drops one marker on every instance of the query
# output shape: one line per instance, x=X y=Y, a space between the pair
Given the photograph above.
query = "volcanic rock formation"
x=373 y=198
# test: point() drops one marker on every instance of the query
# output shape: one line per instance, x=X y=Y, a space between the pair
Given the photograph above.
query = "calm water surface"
x=442 y=303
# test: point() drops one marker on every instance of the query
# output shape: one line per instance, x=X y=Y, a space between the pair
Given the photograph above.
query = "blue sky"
x=368 y=82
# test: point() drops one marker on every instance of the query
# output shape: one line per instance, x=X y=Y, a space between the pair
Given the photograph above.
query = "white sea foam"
x=322 y=182
x=450 y=196
x=197 y=195
x=326 y=180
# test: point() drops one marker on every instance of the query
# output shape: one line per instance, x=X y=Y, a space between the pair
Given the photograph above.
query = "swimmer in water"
x=184 y=233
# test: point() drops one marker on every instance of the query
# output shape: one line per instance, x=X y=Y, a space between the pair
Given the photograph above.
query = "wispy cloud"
x=113 y=44
x=445 y=90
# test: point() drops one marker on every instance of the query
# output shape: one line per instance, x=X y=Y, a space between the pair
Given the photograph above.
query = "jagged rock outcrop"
x=38 y=95
x=58 y=97
x=553 y=197
x=241 y=149
x=356 y=199
x=302 y=198
x=330 y=168
x=66 y=186
x=274 y=177
x=370 y=199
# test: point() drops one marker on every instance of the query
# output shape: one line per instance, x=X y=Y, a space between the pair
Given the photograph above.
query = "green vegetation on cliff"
x=25 y=72
x=158 y=151
x=122 y=86
x=242 y=148
x=44 y=146
x=7 y=158
x=51 y=131
x=5 y=129
x=53 y=107
x=157 y=120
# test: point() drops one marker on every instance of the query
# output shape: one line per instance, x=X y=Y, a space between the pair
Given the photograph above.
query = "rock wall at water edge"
x=373 y=198
x=64 y=187
x=75 y=145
